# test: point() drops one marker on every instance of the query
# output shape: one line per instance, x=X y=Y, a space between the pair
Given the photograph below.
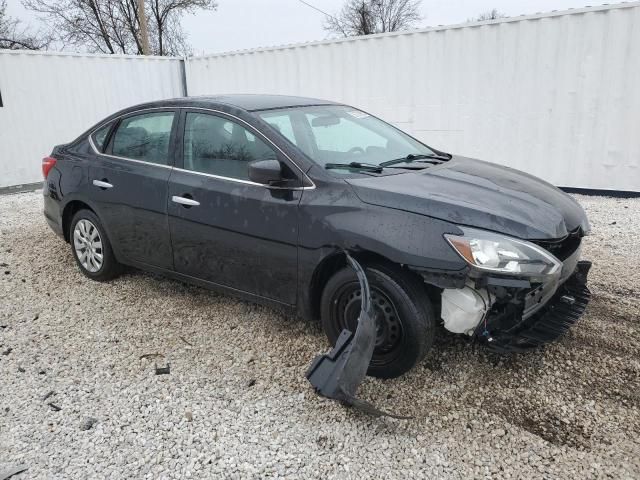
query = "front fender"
x=333 y=219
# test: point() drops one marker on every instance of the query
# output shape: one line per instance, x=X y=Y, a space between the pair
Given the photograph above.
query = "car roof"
x=250 y=102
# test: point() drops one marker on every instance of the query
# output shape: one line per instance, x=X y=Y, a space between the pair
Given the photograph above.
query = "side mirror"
x=266 y=172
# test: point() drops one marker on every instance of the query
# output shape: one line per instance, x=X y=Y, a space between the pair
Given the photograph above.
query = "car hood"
x=478 y=194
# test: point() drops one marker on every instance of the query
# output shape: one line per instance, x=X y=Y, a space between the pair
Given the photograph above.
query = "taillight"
x=47 y=164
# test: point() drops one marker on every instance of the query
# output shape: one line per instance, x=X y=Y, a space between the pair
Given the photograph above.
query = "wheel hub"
x=88 y=245
x=388 y=327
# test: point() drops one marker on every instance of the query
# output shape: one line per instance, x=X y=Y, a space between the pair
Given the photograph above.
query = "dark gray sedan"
x=259 y=196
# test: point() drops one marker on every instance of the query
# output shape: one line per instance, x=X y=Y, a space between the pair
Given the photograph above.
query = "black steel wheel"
x=403 y=315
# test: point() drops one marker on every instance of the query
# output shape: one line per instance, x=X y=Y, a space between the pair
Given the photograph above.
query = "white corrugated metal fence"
x=50 y=99
x=556 y=95
x=553 y=94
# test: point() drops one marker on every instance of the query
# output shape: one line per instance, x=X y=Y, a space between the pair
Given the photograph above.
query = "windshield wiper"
x=412 y=157
x=371 y=167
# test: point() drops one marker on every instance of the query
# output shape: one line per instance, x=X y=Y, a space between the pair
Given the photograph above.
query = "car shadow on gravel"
x=544 y=423
x=277 y=320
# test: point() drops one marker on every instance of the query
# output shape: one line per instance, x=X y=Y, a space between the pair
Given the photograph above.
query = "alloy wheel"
x=88 y=245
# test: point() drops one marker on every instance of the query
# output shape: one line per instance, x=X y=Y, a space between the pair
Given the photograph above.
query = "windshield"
x=331 y=134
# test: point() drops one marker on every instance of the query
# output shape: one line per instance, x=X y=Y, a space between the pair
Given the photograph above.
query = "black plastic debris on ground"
x=163 y=370
x=150 y=355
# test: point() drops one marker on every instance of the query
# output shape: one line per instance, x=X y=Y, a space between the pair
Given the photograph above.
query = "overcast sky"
x=240 y=24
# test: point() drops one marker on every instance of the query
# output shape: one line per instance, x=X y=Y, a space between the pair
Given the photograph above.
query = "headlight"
x=497 y=253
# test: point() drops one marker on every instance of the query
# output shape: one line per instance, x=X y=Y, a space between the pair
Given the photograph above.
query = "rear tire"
x=91 y=248
x=404 y=316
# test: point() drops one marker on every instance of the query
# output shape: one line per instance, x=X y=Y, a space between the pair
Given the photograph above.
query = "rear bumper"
x=52 y=212
x=55 y=226
x=550 y=322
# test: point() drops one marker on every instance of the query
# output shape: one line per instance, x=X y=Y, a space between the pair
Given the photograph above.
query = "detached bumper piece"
x=339 y=373
x=561 y=312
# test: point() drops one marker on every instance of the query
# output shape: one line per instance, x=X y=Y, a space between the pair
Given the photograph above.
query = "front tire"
x=91 y=248
x=404 y=316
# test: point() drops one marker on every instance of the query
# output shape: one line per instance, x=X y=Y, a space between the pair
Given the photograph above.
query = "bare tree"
x=113 y=26
x=14 y=36
x=493 y=14
x=366 y=17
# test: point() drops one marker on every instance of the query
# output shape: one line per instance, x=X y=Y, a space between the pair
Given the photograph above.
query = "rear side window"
x=144 y=137
x=221 y=147
x=100 y=137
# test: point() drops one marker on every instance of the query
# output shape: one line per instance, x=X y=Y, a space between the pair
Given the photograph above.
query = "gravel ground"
x=78 y=401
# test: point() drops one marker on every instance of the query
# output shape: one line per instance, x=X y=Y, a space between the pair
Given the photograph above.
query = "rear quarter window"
x=99 y=137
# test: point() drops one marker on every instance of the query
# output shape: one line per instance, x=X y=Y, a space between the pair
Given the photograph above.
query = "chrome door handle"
x=190 y=202
x=101 y=184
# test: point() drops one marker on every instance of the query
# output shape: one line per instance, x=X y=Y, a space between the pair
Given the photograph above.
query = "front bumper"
x=514 y=332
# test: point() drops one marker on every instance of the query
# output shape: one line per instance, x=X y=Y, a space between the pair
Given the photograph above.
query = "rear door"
x=224 y=228
x=129 y=185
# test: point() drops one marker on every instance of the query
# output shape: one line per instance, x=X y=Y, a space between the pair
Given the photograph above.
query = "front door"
x=224 y=228
x=128 y=181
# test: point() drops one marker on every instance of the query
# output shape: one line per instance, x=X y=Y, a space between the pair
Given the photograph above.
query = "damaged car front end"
x=518 y=294
x=519 y=280
x=513 y=295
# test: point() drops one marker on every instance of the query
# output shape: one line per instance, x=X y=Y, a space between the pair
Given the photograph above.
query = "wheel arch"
x=70 y=209
x=335 y=261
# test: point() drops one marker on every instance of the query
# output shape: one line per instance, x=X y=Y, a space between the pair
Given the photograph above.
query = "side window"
x=100 y=136
x=338 y=134
x=144 y=137
x=218 y=146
